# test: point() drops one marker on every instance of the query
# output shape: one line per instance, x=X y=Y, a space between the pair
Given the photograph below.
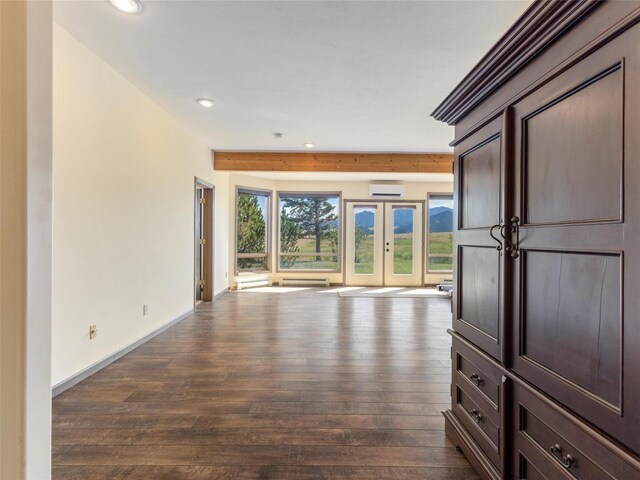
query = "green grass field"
x=365 y=255
x=439 y=243
x=310 y=262
x=308 y=245
x=402 y=255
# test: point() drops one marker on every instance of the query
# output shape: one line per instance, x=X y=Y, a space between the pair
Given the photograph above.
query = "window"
x=252 y=230
x=309 y=231
x=440 y=233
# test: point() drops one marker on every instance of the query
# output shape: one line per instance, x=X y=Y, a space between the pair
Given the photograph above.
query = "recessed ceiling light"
x=127 y=6
x=206 y=102
x=309 y=145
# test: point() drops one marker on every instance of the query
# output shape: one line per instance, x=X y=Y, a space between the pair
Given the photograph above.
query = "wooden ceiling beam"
x=332 y=162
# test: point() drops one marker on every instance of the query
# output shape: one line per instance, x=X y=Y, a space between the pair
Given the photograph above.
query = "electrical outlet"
x=145 y=310
x=93 y=332
x=226 y=274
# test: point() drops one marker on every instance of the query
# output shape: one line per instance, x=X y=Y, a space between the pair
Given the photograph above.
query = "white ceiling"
x=346 y=75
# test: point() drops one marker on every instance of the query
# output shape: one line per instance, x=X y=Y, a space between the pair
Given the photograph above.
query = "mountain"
x=441 y=220
x=365 y=219
x=403 y=220
x=437 y=210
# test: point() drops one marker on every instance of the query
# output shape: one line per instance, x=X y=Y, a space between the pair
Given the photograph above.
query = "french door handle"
x=499 y=247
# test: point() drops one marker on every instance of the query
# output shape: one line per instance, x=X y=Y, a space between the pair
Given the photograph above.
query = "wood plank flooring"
x=290 y=384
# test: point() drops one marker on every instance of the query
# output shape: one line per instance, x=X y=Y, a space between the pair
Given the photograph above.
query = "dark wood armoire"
x=546 y=310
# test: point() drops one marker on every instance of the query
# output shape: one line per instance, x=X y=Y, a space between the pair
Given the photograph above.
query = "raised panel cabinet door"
x=479 y=267
x=576 y=278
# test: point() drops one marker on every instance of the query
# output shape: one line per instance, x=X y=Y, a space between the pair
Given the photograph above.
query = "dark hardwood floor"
x=293 y=385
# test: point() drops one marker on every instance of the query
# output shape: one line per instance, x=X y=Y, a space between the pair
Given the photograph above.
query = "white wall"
x=350 y=191
x=39 y=227
x=123 y=211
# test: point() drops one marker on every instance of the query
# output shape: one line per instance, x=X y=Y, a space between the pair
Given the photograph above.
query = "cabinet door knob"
x=565 y=460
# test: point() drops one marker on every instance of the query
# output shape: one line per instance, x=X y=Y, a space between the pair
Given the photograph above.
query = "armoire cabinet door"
x=479 y=269
x=575 y=301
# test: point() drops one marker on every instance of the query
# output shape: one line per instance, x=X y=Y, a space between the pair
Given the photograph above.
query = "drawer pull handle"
x=567 y=460
x=476 y=415
x=477 y=379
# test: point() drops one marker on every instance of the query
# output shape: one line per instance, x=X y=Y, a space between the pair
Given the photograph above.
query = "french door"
x=384 y=243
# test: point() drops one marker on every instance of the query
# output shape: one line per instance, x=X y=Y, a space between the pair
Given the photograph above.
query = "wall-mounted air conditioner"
x=386 y=190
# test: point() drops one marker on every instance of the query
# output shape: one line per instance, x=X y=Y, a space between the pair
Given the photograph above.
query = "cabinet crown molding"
x=538 y=27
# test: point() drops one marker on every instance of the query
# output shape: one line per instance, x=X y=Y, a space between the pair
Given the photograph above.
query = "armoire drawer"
x=479 y=419
x=551 y=441
x=532 y=464
x=477 y=370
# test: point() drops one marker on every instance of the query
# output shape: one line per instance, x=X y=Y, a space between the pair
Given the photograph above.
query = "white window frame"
x=428 y=217
x=268 y=221
x=338 y=254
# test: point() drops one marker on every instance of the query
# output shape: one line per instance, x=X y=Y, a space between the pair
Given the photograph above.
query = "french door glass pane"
x=403 y=241
x=365 y=227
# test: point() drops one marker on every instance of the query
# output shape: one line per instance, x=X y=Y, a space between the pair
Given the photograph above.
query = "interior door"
x=479 y=268
x=364 y=244
x=403 y=244
x=199 y=246
x=384 y=244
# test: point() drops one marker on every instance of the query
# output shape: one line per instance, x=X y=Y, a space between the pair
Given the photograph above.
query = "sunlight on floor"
x=273 y=290
x=385 y=290
x=394 y=292
x=419 y=291
x=341 y=289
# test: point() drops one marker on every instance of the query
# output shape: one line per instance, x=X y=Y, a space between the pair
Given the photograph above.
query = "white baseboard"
x=100 y=364
x=220 y=294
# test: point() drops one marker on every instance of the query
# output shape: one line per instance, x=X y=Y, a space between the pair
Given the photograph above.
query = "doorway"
x=203 y=235
x=384 y=243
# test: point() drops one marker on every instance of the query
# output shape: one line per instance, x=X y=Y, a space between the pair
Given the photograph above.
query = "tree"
x=361 y=235
x=315 y=217
x=289 y=235
x=251 y=228
x=332 y=240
